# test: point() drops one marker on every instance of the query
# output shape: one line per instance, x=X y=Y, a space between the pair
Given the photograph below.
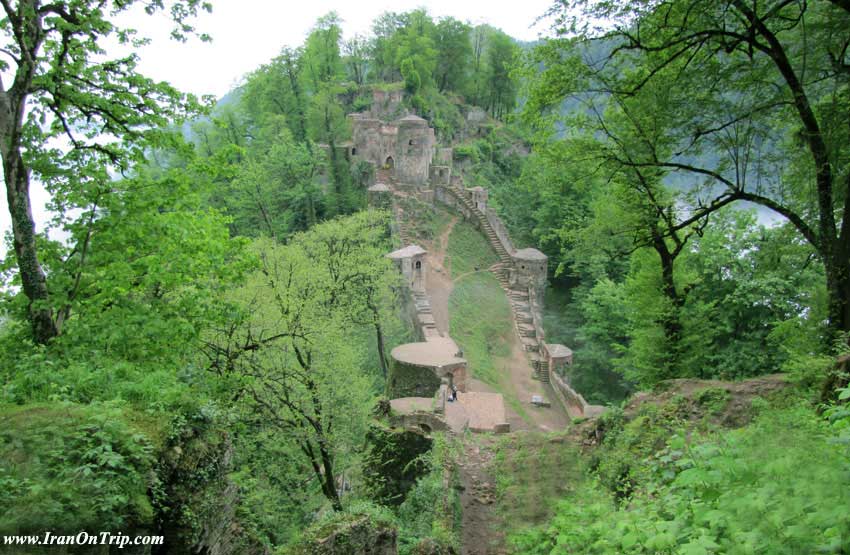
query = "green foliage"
x=778 y=486
x=412 y=80
x=431 y=510
x=393 y=462
x=70 y=467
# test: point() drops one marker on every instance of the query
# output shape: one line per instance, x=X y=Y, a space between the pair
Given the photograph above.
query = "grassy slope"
x=481 y=324
x=480 y=317
x=469 y=250
x=534 y=472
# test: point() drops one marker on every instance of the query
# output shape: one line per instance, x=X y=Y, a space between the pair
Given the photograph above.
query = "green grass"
x=480 y=320
x=534 y=472
x=469 y=250
x=481 y=324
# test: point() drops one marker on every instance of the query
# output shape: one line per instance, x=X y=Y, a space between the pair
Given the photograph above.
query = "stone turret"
x=412 y=263
x=415 y=148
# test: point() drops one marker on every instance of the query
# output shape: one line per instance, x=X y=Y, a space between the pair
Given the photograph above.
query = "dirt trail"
x=515 y=369
x=480 y=532
x=438 y=284
x=478 y=500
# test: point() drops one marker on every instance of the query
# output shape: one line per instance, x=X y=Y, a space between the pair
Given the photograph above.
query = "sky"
x=248 y=33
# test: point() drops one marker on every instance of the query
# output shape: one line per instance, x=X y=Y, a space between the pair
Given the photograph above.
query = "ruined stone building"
x=406 y=147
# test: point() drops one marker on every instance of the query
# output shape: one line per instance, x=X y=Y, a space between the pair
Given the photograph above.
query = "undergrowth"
x=777 y=486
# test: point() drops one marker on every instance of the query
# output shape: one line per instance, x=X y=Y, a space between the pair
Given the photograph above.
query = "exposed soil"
x=734 y=412
x=478 y=500
x=518 y=371
x=722 y=403
x=438 y=284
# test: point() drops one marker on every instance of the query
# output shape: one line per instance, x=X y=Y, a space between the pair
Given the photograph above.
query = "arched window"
x=418 y=265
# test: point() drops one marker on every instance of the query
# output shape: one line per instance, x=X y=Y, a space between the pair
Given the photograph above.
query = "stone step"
x=523 y=317
x=526 y=331
x=529 y=344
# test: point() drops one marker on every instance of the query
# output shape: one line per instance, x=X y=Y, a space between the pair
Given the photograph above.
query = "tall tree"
x=755 y=82
x=356 y=58
x=63 y=85
x=502 y=54
x=454 y=53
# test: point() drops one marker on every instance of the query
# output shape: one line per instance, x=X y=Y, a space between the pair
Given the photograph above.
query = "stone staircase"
x=518 y=298
x=484 y=224
x=425 y=314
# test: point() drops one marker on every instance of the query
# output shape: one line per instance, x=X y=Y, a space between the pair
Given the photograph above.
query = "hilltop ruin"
x=408 y=162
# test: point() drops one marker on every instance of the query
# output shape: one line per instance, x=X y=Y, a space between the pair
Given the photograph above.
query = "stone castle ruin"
x=409 y=162
x=406 y=147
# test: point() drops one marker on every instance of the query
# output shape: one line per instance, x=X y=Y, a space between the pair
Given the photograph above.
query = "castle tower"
x=415 y=146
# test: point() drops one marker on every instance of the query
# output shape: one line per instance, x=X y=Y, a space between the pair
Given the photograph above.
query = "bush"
x=69 y=468
x=779 y=486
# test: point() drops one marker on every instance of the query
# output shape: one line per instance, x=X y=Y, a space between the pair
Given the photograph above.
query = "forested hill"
x=205 y=356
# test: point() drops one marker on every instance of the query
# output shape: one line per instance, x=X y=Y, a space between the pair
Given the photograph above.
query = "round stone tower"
x=415 y=145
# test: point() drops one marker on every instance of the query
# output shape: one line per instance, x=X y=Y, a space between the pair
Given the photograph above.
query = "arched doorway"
x=390 y=163
x=418 y=277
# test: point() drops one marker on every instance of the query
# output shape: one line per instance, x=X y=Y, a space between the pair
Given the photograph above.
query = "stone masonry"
x=406 y=154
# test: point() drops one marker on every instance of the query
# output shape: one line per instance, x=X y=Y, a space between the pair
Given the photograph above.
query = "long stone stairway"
x=484 y=224
x=518 y=298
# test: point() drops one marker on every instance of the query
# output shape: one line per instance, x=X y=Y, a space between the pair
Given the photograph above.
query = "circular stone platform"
x=437 y=352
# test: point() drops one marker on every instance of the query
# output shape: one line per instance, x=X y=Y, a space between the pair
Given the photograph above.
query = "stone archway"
x=389 y=163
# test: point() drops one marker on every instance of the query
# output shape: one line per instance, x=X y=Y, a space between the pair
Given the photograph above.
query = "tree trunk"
x=837 y=269
x=16 y=174
x=329 y=484
x=379 y=333
x=670 y=321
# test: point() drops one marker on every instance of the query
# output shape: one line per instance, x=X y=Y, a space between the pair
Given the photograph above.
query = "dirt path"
x=478 y=500
x=517 y=372
x=515 y=369
x=438 y=284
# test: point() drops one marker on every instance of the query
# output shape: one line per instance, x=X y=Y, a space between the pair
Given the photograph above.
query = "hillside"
x=431 y=290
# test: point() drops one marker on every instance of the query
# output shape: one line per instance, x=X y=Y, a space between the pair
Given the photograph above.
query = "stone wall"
x=568 y=396
x=411 y=380
x=387 y=105
x=500 y=229
x=426 y=421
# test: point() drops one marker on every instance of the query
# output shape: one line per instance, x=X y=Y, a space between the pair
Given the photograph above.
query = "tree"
x=414 y=44
x=63 y=86
x=502 y=53
x=454 y=53
x=275 y=192
x=356 y=58
x=753 y=84
x=276 y=89
x=351 y=252
x=321 y=60
x=289 y=351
